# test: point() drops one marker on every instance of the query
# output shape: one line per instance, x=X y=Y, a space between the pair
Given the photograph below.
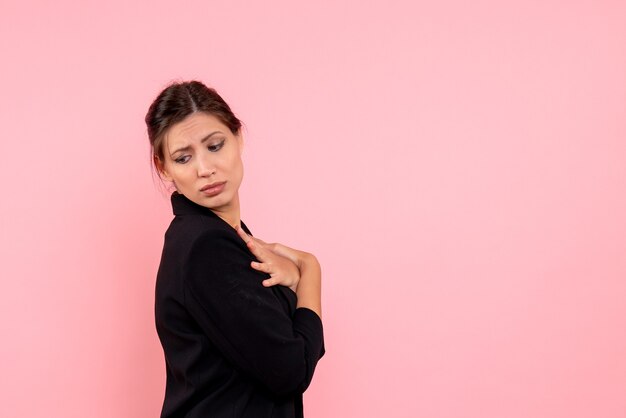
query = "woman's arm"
x=245 y=320
x=309 y=289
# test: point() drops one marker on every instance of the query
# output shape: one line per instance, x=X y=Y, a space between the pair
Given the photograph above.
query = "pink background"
x=459 y=169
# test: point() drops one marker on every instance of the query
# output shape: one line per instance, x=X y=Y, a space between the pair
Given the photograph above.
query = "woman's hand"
x=279 y=261
x=296 y=256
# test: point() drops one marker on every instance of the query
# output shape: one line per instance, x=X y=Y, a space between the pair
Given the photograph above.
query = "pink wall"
x=459 y=169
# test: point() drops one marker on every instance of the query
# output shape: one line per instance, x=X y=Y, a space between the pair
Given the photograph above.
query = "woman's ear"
x=161 y=169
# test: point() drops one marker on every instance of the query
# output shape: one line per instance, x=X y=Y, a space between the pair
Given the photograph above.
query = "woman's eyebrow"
x=201 y=141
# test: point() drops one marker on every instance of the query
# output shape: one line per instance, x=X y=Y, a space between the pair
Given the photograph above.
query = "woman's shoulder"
x=195 y=227
x=204 y=247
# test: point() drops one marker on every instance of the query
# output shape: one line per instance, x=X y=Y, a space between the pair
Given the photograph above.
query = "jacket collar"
x=181 y=205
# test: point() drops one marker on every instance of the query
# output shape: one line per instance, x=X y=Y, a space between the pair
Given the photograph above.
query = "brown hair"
x=175 y=103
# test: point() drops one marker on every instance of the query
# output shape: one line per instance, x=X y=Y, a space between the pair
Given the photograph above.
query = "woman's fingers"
x=243 y=234
x=282 y=270
x=256 y=250
x=270 y=282
x=252 y=245
x=264 y=267
x=257 y=239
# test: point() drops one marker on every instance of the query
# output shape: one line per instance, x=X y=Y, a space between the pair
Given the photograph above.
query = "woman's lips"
x=212 y=191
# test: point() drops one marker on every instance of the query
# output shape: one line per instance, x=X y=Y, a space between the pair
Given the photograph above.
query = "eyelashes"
x=216 y=147
x=211 y=148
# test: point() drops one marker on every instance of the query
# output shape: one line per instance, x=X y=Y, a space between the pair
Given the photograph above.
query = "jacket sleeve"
x=245 y=320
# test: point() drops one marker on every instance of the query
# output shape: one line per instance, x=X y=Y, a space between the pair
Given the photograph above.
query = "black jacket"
x=233 y=348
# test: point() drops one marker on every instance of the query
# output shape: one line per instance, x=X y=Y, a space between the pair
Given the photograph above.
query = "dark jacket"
x=233 y=348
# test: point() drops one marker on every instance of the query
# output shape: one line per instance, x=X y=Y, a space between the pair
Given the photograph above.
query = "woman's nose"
x=205 y=167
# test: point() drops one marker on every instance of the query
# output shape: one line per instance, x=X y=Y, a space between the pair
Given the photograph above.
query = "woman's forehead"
x=195 y=127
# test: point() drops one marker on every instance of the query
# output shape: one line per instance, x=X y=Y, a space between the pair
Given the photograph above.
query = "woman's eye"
x=183 y=159
x=216 y=147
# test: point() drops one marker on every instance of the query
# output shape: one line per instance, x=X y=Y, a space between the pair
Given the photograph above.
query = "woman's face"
x=200 y=151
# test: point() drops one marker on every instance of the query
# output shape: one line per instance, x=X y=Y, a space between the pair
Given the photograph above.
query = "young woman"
x=239 y=319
